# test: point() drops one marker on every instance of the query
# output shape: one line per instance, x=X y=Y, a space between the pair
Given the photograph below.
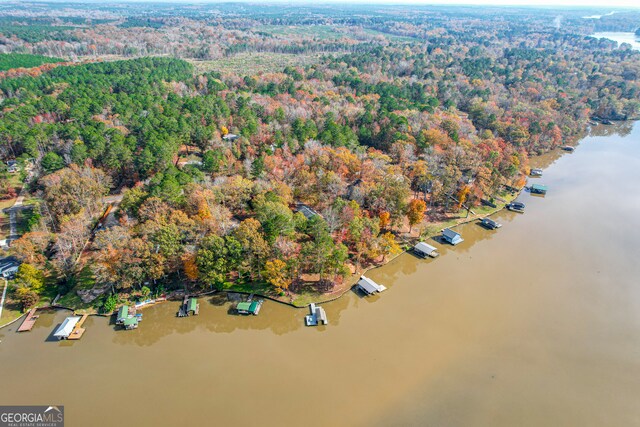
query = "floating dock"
x=29 y=321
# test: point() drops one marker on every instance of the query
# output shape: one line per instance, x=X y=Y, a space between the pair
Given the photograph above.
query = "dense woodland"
x=396 y=123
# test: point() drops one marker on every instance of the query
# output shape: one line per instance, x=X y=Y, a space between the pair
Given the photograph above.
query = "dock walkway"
x=29 y=321
x=78 y=330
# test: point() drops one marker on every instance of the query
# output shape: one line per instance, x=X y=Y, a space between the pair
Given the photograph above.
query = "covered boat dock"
x=368 y=286
x=451 y=236
x=538 y=189
x=249 y=307
x=424 y=250
x=317 y=316
x=66 y=328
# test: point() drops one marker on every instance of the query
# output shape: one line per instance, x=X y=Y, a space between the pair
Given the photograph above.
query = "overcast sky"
x=606 y=5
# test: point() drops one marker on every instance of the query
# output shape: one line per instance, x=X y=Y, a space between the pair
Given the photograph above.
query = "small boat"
x=567 y=148
x=516 y=207
x=535 y=172
x=490 y=224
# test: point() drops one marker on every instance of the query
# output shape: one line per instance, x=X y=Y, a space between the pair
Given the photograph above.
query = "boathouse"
x=490 y=224
x=450 y=236
x=66 y=327
x=368 y=286
x=249 y=307
x=538 y=189
x=130 y=323
x=424 y=250
x=516 y=207
x=193 y=307
x=123 y=314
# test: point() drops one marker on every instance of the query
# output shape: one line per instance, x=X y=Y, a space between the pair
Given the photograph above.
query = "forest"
x=279 y=180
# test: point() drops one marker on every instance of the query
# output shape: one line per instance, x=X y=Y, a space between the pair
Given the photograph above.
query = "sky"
x=606 y=5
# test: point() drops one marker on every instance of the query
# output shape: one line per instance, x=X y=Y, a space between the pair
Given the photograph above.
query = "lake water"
x=535 y=324
x=619 y=37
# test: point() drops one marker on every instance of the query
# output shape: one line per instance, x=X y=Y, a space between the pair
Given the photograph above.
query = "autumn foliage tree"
x=415 y=212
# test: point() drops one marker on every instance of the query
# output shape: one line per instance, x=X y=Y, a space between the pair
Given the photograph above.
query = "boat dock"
x=78 y=330
x=189 y=306
x=249 y=307
x=317 y=316
x=29 y=321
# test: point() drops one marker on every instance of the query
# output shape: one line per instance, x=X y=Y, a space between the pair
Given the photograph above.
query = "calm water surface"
x=537 y=324
x=620 y=37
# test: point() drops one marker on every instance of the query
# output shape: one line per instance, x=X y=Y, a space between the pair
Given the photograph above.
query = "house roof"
x=540 y=187
x=306 y=210
x=66 y=327
x=423 y=247
x=192 y=304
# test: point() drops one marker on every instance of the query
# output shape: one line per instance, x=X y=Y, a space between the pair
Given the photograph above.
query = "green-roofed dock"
x=249 y=307
x=189 y=306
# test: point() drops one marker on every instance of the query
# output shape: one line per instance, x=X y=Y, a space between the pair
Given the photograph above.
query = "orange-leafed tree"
x=275 y=273
x=190 y=267
x=415 y=212
x=385 y=220
x=388 y=245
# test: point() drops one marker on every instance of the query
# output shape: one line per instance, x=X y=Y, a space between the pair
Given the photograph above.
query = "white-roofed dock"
x=368 y=286
x=425 y=250
x=66 y=328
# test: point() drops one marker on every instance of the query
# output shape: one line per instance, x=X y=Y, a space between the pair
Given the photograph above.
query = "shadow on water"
x=50 y=337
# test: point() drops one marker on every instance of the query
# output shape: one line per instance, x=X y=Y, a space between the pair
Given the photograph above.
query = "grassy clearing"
x=321 y=32
x=84 y=280
x=391 y=37
x=251 y=63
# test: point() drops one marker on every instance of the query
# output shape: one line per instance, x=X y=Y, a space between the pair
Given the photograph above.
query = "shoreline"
x=351 y=280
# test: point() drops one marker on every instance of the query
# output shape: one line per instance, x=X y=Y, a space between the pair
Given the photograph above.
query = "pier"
x=29 y=321
x=78 y=330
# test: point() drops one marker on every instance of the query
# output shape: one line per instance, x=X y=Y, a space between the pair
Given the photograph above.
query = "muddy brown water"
x=536 y=324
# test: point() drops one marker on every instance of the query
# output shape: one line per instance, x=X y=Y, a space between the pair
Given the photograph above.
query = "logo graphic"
x=32 y=416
